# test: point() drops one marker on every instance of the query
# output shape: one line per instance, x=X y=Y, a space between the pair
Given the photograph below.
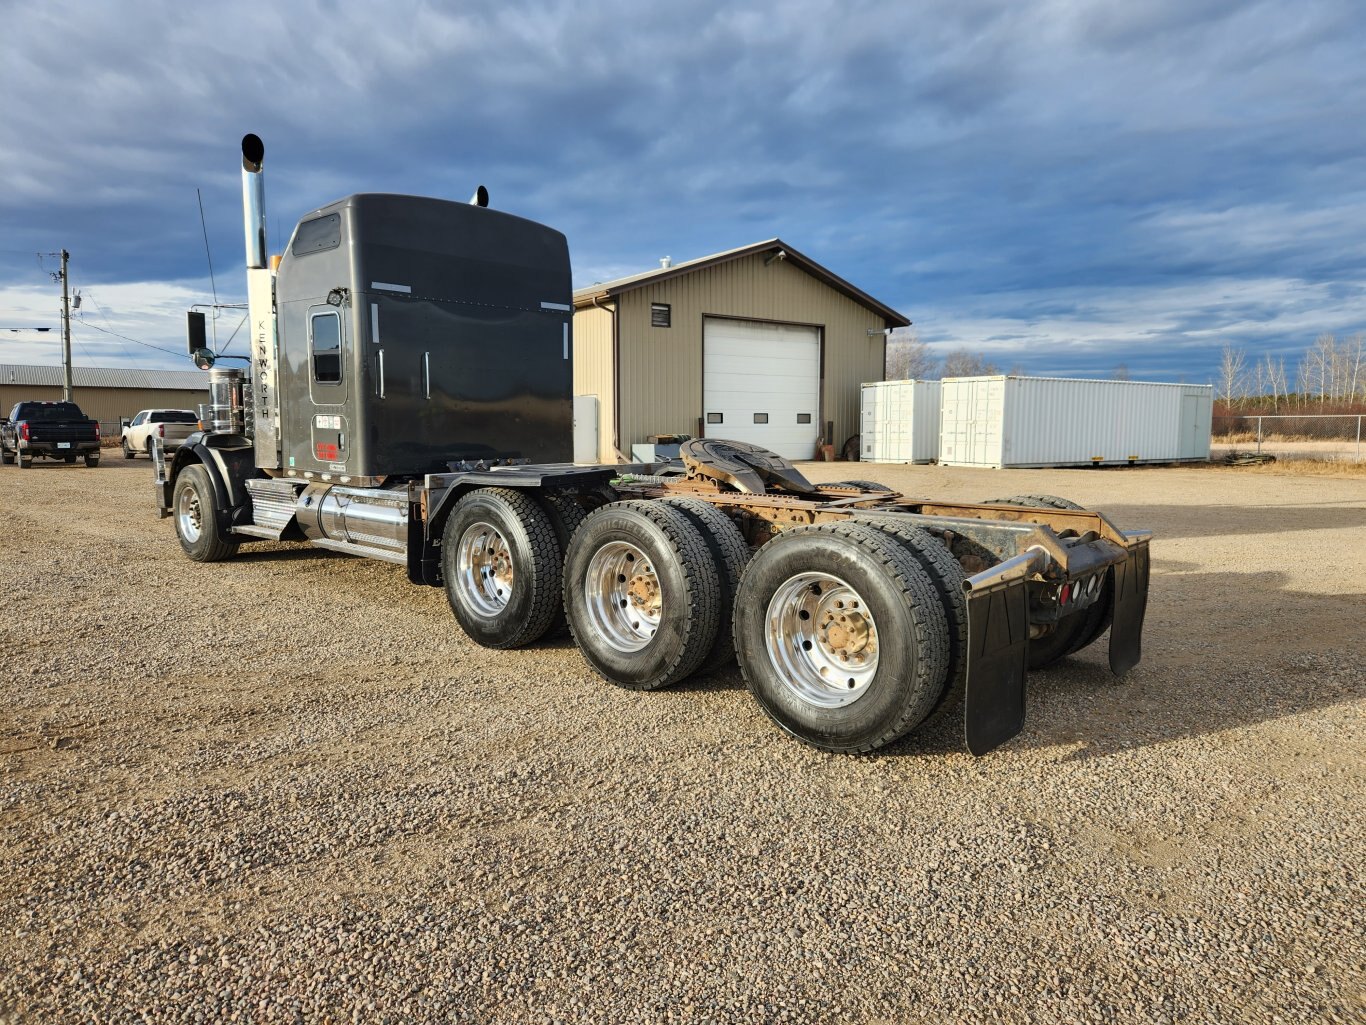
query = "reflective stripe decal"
x=562 y=307
x=390 y=287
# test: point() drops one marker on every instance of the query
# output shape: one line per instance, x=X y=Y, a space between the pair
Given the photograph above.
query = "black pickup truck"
x=55 y=430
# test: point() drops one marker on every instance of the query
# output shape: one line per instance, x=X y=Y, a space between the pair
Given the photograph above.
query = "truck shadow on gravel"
x=1173 y=521
x=1220 y=654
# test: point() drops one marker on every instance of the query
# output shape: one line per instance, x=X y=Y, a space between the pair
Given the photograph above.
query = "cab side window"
x=139 y=420
x=324 y=331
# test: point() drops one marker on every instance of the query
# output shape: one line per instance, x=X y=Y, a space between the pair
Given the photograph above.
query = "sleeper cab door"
x=328 y=349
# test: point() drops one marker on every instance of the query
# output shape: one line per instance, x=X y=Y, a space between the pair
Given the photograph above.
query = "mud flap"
x=998 y=658
x=1129 y=580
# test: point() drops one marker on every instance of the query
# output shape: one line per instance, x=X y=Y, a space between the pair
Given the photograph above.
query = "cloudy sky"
x=1062 y=185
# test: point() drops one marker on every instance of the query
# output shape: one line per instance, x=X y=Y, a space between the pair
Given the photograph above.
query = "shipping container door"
x=1195 y=426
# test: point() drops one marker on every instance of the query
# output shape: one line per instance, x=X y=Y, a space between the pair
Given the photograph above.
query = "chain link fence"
x=1286 y=436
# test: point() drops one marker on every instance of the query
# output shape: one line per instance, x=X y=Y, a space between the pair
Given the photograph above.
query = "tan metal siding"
x=661 y=368
x=107 y=405
x=593 y=371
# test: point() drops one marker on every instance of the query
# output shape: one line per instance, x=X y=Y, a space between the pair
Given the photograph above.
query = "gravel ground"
x=286 y=788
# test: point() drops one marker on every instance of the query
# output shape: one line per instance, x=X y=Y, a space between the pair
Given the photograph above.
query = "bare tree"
x=1354 y=371
x=908 y=358
x=1232 y=374
x=1273 y=372
x=1316 y=369
x=961 y=363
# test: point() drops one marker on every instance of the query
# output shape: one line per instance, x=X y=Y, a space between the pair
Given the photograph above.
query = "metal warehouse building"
x=105 y=395
x=759 y=344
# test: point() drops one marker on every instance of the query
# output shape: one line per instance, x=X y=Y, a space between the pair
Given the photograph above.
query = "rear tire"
x=501 y=566
x=1035 y=502
x=6 y=457
x=840 y=636
x=565 y=517
x=947 y=576
x=196 y=517
x=730 y=553
x=642 y=594
x=25 y=462
x=862 y=485
x=92 y=459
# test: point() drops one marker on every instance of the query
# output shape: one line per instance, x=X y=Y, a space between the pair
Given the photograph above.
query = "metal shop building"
x=106 y=395
x=758 y=344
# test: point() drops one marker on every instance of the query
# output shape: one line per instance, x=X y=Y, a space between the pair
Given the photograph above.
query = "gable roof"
x=608 y=289
x=104 y=377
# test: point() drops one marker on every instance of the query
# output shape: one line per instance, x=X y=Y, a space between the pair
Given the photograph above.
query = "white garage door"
x=761 y=384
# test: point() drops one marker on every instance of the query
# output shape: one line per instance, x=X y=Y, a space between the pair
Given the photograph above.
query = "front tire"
x=841 y=637
x=196 y=517
x=642 y=594
x=501 y=565
x=128 y=453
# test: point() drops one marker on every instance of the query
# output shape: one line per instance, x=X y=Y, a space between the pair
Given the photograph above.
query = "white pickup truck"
x=173 y=426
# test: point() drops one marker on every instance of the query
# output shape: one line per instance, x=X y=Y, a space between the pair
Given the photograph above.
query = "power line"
x=105 y=317
x=135 y=341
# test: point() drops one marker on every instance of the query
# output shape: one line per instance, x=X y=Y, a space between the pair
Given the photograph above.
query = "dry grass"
x=1298 y=467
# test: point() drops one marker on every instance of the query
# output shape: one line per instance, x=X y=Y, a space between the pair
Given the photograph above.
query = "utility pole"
x=66 y=330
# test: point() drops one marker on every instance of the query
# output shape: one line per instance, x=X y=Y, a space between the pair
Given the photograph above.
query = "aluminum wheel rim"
x=822 y=639
x=189 y=517
x=484 y=569
x=623 y=596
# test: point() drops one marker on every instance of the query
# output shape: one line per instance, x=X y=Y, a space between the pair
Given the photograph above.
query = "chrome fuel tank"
x=372 y=519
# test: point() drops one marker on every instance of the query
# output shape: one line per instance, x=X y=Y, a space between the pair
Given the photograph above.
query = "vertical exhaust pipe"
x=254 y=200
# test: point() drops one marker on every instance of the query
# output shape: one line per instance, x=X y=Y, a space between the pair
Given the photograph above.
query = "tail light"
x=97 y=430
x=161 y=430
x=23 y=431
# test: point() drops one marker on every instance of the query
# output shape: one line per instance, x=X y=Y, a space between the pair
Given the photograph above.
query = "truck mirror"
x=194 y=324
x=203 y=358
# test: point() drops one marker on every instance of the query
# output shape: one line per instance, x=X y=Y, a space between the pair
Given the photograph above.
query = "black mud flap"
x=1129 y=579
x=998 y=658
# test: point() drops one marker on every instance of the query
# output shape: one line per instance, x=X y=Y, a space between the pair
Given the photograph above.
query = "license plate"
x=63 y=444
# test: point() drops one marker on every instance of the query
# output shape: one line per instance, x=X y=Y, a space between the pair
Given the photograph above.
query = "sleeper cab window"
x=661 y=315
x=324 y=331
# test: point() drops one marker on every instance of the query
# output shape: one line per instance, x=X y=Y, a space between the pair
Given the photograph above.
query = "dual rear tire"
x=847 y=634
x=841 y=636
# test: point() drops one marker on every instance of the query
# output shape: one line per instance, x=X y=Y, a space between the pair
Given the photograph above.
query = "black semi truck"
x=409 y=399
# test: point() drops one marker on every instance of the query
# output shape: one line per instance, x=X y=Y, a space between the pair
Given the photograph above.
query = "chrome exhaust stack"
x=263 y=403
x=254 y=200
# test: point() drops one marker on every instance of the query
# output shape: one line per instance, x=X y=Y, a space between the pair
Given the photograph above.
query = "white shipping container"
x=1058 y=421
x=900 y=422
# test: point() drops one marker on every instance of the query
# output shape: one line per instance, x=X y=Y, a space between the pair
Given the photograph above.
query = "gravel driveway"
x=286 y=788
